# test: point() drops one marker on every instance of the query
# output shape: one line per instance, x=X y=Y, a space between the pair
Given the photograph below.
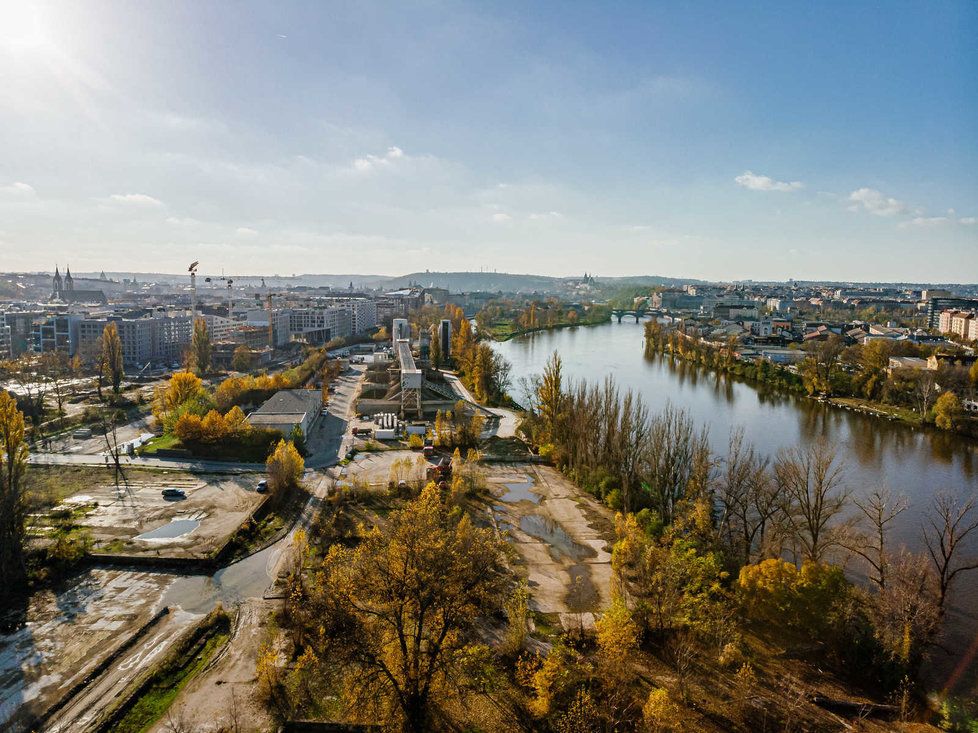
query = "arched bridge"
x=636 y=313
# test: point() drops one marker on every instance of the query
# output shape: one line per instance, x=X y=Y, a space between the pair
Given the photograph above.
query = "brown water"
x=877 y=452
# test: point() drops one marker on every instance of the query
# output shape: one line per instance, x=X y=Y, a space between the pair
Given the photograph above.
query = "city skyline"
x=770 y=143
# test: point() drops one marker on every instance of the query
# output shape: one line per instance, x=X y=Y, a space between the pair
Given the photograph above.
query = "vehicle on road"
x=174 y=494
x=262 y=486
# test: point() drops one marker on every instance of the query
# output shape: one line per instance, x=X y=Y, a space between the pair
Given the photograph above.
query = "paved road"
x=252 y=577
x=507 y=420
x=77 y=459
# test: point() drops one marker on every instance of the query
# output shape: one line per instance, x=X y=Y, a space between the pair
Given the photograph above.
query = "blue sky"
x=717 y=140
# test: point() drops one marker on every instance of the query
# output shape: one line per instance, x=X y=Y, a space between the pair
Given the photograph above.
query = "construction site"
x=406 y=384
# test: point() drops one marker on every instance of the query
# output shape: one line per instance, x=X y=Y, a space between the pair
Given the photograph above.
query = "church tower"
x=69 y=282
x=56 y=290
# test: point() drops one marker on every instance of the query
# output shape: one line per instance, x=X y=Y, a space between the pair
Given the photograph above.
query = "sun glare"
x=22 y=27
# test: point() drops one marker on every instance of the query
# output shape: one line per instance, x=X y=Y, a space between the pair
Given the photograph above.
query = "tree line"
x=707 y=543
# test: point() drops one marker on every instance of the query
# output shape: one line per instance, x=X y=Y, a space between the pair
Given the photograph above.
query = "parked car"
x=262 y=486
x=174 y=494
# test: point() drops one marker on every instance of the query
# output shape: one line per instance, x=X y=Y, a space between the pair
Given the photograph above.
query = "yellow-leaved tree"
x=393 y=618
x=13 y=496
x=183 y=387
x=285 y=467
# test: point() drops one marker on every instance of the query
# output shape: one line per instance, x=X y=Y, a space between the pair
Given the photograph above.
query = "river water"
x=877 y=452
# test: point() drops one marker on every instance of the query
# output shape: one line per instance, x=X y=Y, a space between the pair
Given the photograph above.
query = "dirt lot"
x=69 y=632
x=138 y=520
x=563 y=537
x=225 y=697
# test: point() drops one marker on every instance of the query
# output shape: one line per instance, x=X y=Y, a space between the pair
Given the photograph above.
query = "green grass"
x=160 y=442
x=900 y=413
x=173 y=674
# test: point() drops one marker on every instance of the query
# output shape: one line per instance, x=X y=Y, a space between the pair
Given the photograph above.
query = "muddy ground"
x=563 y=538
x=68 y=633
x=137 y=520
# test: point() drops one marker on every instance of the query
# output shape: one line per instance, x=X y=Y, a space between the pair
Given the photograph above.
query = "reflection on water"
x=559 y=543
x=915 y=462
x=877 y=452
x=520 y=491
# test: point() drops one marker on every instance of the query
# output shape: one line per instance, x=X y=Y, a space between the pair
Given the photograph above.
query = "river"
x=876 y=452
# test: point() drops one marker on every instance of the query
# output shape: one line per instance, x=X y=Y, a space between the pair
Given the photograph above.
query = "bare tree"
x=746 y=495
x=812 y=496
x=878 y=511
x=946 y=530
x=925 y=390
x=906 y=612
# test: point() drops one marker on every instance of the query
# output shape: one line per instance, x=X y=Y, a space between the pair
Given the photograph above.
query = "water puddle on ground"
x=176 y=528
x=520 y=491
x=560 y=544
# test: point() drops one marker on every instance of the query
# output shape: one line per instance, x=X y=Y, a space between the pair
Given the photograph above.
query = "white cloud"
x=757 y=182
x=546 y=216
x=135 y=199
x=18 y=189
x=501 y=217
x=875 y=202
x=968 y=220
x=924 y=221
x=375 y=162
x=246 y=232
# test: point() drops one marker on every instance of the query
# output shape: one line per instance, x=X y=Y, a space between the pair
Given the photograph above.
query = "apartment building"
x=959 y=322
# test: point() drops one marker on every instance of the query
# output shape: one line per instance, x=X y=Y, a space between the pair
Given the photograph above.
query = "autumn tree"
x=947 y=411
x=199 y=356
x=436 y=357
x=550 y=394
x=395 y=617
x=285 y=467
x=55 y=368
x=183 y=389
x=243 y=359
x=13 y=500
x=109 y=359
x=810 y=483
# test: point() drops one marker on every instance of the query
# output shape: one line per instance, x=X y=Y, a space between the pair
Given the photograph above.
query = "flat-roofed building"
x=287 y=409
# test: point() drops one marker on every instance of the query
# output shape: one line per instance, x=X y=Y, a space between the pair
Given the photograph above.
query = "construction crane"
x=193 y=288
x=268 y=309
x=230 y=294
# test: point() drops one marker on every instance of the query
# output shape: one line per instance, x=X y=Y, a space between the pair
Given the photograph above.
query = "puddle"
x=520 y=491
x=176 y=528
x=560 y=544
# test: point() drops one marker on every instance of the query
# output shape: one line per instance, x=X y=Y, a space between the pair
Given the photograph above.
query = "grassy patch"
x=174 y=672
x=900 y=413
x=50 y=485
x=160 y=442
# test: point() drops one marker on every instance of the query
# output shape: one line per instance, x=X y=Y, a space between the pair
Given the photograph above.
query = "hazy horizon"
x=702 y=141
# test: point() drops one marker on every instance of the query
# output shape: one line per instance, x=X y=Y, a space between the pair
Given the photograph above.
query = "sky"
x=713 y=140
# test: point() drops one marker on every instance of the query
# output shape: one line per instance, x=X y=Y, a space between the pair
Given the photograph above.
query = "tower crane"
x=230 y=282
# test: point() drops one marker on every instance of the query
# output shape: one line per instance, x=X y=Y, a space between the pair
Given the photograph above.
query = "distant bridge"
x=636 y=313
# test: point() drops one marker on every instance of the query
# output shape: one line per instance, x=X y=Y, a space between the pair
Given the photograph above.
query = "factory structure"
x=407 y=384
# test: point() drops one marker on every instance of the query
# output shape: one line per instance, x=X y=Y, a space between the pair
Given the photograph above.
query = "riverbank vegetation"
x=504 y=319
x=859 y=375
x=715 y=555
